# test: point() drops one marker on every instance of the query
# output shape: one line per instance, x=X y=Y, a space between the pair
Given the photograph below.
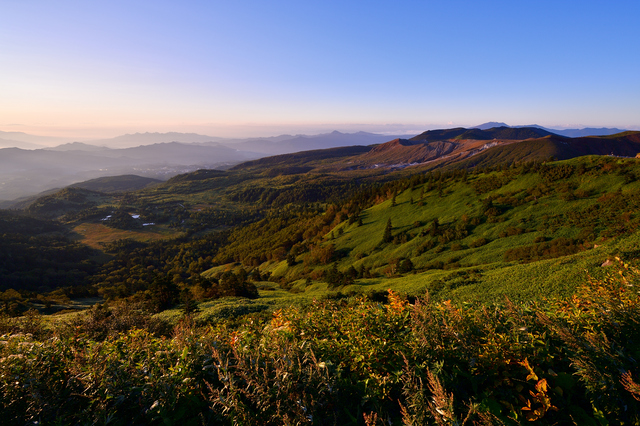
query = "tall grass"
x=384 y=359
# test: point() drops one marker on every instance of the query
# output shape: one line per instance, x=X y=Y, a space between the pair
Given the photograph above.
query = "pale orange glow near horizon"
x=92 y=70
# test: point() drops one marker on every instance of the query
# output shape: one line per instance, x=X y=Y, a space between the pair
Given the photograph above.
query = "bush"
x=479 y=242
x=544 y=250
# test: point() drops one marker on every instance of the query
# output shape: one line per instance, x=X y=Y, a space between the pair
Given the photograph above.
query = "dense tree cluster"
x=37 y=255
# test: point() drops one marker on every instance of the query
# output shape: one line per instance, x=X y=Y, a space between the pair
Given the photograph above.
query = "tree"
x=387 y=237
x=336 y=278
x=164 y=293
x=237 y=285
x=434 y=227
x=405 y=266
x=189 y=305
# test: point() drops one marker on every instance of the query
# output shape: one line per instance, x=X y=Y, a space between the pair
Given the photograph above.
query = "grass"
x=487 y=282
x=272 y=297
x=96 y=234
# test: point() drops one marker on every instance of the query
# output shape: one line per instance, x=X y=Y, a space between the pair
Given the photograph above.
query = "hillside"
x=403 y=151
x=484 y=225
x=462 y=235
x=622 y=145
x=305 y=159
x=288 y=144
x=503 y=132
x=107 y=184
x=122 y=183
x=461 y=148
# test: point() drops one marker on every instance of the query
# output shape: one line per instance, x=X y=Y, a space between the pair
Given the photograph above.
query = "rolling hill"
x=503 y=133
x=460 y=148
x=452 y=148
x=121 y=183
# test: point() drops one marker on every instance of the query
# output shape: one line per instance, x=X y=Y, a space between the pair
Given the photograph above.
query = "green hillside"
x=467 y=236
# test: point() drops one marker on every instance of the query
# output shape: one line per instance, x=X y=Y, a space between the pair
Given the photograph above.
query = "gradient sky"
x=246 y=68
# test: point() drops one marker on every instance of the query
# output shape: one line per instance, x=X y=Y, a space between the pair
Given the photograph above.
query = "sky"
x=88 y=69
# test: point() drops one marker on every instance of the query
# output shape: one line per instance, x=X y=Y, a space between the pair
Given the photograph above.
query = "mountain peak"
x=490 y=125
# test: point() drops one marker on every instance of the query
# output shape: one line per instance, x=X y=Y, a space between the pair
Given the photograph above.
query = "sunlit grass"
x=96 y=234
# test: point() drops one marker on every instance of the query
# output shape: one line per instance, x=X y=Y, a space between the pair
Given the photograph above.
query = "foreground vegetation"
x=369 y=361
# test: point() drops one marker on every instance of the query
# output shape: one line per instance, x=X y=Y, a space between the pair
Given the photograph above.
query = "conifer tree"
x=387 y=237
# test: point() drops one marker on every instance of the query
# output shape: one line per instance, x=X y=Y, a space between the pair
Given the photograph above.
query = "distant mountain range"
x=273 y=145
x=27 y=141
x=571 y=133
x=10 y=143
x=264 y=145
x=157 y=156
x=153 y=155
x=137 y=139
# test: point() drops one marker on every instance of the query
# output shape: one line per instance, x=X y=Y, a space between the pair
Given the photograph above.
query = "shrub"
x=479 y=242
x=544 y=250
x=456 y=247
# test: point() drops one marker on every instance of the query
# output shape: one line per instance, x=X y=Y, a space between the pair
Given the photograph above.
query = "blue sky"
x=247 y=68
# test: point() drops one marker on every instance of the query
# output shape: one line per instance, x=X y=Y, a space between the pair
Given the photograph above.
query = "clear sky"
x=247 y=68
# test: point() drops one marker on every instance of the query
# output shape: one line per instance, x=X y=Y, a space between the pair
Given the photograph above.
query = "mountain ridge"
x=572 y=133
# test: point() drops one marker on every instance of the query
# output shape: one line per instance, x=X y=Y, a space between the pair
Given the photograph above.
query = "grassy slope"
x=554 y=276
x=484 y=275
x=96 y=234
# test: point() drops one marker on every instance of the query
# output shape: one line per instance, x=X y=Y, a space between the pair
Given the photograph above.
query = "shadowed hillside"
x=507 y=133
x=625 y=144
x=123 y=183
x=303 y=158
